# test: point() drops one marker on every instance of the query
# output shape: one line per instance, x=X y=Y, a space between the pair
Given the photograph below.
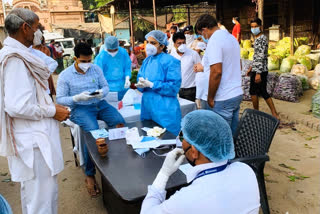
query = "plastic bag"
x=303 y=50
x=247 y=44
x=315 y=106
x=288 y=88
x=304 y=60
x=314 y=59
x=273 y=63
x=244 y=53
x=287 y=64
x=273 y=79
x=299 y=69
x=245 y=63
x=317 y=70
x=250 y=57
x=314 y=82
x=304 y=82
x=246 y=88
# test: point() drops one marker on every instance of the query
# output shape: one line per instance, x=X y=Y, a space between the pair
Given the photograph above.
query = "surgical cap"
x=111 y=43
x=209 y=133
x=158 y=35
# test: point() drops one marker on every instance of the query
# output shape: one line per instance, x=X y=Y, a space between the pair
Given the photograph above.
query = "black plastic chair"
x=252 y=141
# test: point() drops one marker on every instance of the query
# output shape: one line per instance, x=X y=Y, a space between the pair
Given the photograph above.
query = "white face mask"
x=84 y=66
x=113 y=54
x=233 y=21
x=37 y=38
x=151 y=50
x=182 y=48
x=189 y=38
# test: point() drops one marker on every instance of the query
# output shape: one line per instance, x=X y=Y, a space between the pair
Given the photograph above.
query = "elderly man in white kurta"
x=29 y=128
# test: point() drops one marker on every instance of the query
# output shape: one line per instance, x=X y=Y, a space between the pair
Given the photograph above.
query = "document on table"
x=185 y=168
x=119 y=133
x=99 y=133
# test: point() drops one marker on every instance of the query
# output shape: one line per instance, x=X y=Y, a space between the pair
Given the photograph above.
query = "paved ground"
x=294 y=155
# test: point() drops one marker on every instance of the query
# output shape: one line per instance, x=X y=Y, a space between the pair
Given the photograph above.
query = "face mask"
x=233 y=21
x=255 y=31
x=151 y=50
x=113 y=53
x=189 y=38
x=37 y=38
x=205 y=40
x=182 y=48
x=84 y=66
x=192 y=163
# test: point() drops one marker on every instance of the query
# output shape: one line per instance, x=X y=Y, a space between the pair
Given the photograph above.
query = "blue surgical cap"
x=111 y=43
x=158 y=35
x=210 y=134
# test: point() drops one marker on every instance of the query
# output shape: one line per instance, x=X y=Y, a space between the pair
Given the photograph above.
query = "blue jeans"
x=228 y=109
x=86 y=117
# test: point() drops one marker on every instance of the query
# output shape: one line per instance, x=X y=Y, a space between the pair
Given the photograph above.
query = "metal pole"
x=260 y=9
x=188 y=9
x=131 y=26
x=291 y=27
x=155 y=15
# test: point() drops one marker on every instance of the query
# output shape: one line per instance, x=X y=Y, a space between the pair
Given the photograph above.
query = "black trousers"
x=259 y=89
x=188 y=93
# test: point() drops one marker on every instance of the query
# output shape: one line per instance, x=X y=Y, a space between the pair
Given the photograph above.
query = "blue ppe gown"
x=115 y=69
x=160 y=103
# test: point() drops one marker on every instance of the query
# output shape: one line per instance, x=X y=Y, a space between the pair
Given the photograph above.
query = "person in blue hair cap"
x=159 y=80
x=116 y=66
x=215 y=186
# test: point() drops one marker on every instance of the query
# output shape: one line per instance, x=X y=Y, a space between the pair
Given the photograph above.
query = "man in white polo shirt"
x=188 y=59
x=223 y=57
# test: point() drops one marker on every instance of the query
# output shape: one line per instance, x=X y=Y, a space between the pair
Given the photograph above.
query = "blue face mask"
x=205 y=40
x=255 y=31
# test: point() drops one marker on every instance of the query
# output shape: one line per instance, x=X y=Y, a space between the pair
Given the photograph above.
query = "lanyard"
x=211 y=171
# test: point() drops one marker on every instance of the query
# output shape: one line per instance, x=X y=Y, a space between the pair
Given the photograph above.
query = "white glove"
x=170 y=165
x=144 y=83
x=84 y=96
x=100 y=95
x=127 y=83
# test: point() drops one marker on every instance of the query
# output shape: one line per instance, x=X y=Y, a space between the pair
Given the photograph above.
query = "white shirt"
x=231 y=191
x=188 y=60
x=202 y=80
x=33 y=124
x=224 y=48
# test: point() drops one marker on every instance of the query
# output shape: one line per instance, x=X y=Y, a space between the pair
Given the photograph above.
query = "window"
x=67 y=44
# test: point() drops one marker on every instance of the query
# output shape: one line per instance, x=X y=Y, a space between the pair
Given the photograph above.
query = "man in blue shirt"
x=116 y=66
x=82 y=87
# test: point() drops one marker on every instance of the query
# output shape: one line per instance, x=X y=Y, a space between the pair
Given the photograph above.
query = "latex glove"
x=146 y=83
x=84 y=96
x=139 y=84
x=170 y=165
x=127 y=83
x=100 y=95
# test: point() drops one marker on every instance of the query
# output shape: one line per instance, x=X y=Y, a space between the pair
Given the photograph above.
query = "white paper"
x=185 y=168
x=146 y=129
x=148 y=144
x=119 y=133
x=99 y=133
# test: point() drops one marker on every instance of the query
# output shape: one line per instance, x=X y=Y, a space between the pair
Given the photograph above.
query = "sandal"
x=93 y=190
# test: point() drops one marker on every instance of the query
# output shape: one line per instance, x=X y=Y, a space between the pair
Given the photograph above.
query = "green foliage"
x=179 y=14
x=140 y=24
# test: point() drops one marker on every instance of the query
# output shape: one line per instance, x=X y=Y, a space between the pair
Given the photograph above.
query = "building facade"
x=50 y=11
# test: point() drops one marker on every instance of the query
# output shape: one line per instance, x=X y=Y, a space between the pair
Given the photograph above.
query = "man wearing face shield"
x=215 y=184
x=29 y=135
x=159 y=80
x=82 y=87
x=116 y=66
x=188 y=59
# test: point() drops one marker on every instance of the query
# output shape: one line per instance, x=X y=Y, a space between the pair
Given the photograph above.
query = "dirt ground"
x=292 y=175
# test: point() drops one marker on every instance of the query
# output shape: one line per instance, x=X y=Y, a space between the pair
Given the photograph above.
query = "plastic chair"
x=252 y=141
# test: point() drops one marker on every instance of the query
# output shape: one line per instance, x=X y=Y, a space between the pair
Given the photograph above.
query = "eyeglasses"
x=181 y=136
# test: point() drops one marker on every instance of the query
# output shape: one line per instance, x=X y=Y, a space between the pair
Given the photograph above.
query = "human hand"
x=211 y=102
x=170 y=165
x=84 y=96
x=198 y=103
x=62 y=113
x=127 y=82
x=144 y=83
x=198 y=67
x=248 y=72
x=257 y=78
x=100 y=94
